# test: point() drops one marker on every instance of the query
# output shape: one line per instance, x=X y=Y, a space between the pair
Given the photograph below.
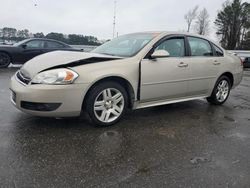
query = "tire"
x=221 y=91
x=106 y=103
x=4 y=60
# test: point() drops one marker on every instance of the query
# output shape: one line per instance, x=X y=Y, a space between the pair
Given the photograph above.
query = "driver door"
x=33 y=48
x=165 y=78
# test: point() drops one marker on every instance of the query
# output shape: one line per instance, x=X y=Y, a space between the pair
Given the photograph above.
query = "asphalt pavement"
x=190 y=144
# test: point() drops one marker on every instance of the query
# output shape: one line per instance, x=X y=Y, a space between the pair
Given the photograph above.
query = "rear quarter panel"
x=233 y=65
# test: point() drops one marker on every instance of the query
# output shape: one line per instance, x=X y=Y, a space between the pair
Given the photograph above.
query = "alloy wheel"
x=109 y=105
x=222 y=90
x=4 y=60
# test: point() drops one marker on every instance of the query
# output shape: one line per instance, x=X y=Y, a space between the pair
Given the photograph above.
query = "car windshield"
x=126 y=45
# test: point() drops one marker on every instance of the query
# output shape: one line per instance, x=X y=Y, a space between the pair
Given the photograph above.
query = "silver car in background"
x=132 y=71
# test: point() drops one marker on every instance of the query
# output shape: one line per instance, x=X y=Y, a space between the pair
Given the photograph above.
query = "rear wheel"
x=4 y=60
x=221 y=91
x=106 y=103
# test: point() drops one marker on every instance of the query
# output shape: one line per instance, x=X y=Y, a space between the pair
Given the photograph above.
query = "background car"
x=246 y=62
x=25 y=50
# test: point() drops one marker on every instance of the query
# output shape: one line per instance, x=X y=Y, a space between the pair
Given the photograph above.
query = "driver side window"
x=175 y=47
x=35 y=44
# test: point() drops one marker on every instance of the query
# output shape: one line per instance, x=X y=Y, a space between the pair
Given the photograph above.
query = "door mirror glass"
x=160 y=54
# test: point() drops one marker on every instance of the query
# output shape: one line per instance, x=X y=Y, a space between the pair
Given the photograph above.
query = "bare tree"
x=202 y=22
x=191 y=16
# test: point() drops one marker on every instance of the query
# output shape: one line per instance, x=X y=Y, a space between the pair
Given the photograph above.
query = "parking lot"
x=190 y=144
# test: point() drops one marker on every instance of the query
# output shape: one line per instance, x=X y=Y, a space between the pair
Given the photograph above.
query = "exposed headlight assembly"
x=56 y=76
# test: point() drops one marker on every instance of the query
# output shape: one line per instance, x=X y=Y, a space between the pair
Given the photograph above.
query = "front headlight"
x=56 y=76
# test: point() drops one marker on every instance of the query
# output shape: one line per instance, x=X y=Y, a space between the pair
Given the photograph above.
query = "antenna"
x=114 y=23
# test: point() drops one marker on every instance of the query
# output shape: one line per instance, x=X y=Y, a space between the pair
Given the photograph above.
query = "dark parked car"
x=246 y=62
x=1 y=42
x=25 y=50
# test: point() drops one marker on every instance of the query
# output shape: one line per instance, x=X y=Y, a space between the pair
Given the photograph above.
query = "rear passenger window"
x=200 y=47
x=51 y=44
x=174 y=46
x=218 y=51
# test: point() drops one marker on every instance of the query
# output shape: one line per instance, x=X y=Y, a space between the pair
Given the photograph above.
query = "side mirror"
x=24 y=46
x=160 y=54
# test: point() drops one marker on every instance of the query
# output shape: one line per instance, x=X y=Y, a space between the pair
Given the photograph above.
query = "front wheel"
x=4 y=60
x=221 y=91
x=106 y=103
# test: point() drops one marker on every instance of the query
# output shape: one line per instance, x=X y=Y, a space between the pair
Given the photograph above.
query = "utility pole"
x=114 y=23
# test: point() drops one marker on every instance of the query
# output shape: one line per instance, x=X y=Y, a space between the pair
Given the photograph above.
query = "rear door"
x=203 y=67
x=165 y=78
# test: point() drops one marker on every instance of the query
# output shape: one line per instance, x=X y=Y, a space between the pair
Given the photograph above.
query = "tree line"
x=12 y=34
x=232 y=24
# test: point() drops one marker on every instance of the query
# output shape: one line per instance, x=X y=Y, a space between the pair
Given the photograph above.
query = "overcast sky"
x=95 y=17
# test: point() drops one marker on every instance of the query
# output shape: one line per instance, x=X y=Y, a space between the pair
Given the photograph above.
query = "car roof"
x=45 y=39
x=174 y=33
x=165 y=33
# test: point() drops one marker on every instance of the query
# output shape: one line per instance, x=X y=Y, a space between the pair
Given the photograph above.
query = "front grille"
x=22 y=78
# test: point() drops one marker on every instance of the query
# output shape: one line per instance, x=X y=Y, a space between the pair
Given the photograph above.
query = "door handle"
x=183 y=65
x=216 y=62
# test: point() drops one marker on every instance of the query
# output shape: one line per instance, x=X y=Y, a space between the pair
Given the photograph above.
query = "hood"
x=60 y=59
